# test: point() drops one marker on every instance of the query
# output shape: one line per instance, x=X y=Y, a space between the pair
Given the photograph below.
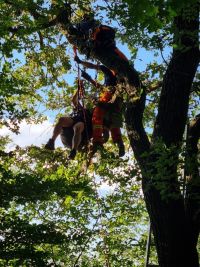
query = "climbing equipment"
x=80 y=82
x=81 y=96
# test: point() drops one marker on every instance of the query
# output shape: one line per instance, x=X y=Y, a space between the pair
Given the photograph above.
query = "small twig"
x=161 y=52
x=41 y=39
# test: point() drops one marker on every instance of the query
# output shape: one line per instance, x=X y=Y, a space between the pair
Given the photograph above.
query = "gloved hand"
x=77 y=59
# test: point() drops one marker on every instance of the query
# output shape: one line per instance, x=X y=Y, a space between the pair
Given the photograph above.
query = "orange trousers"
x=97 y=122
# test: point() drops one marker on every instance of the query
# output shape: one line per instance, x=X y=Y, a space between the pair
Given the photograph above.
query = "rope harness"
x=81 y=97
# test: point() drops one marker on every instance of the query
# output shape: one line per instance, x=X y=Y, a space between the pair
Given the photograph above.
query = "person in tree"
x=98 y=42
x=105 y=109
x=75 y=130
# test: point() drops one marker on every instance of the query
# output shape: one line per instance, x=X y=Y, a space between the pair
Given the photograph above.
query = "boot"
x=96 y=146
x=121 y=148
x=72 y=154
x=50 y=144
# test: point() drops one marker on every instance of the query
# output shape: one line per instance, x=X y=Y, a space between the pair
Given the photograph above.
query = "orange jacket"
x=105 y=96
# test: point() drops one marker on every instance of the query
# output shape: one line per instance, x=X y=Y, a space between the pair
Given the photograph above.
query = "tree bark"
x=135 y=129
x=177 y=83
x=165 y=204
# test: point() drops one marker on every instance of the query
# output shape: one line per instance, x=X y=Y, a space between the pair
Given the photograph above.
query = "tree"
x=171 y=227
x=154 y=24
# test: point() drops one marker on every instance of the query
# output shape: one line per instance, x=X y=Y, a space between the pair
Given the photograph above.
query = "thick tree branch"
x=28 y=6
x=43 y=21
x=173 y=105
x=136 y=133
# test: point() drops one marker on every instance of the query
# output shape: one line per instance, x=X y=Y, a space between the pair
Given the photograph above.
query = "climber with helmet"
x=98 y=41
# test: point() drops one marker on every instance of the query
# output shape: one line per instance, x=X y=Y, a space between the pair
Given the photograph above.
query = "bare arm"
x=90 y=65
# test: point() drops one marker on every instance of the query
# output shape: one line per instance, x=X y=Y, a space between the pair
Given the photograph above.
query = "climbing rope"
x=81 y=98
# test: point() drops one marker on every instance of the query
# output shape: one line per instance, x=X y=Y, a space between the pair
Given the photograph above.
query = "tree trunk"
x=165 y=204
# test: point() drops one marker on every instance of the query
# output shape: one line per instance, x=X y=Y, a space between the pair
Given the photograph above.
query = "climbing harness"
x=81 y=97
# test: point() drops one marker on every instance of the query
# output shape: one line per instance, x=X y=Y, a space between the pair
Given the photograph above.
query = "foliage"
x=54 y=212
x=54 y=215
x=147 y=23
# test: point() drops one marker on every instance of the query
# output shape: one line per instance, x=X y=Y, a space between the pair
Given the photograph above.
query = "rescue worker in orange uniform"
x=104 y=108
x=98 y=41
